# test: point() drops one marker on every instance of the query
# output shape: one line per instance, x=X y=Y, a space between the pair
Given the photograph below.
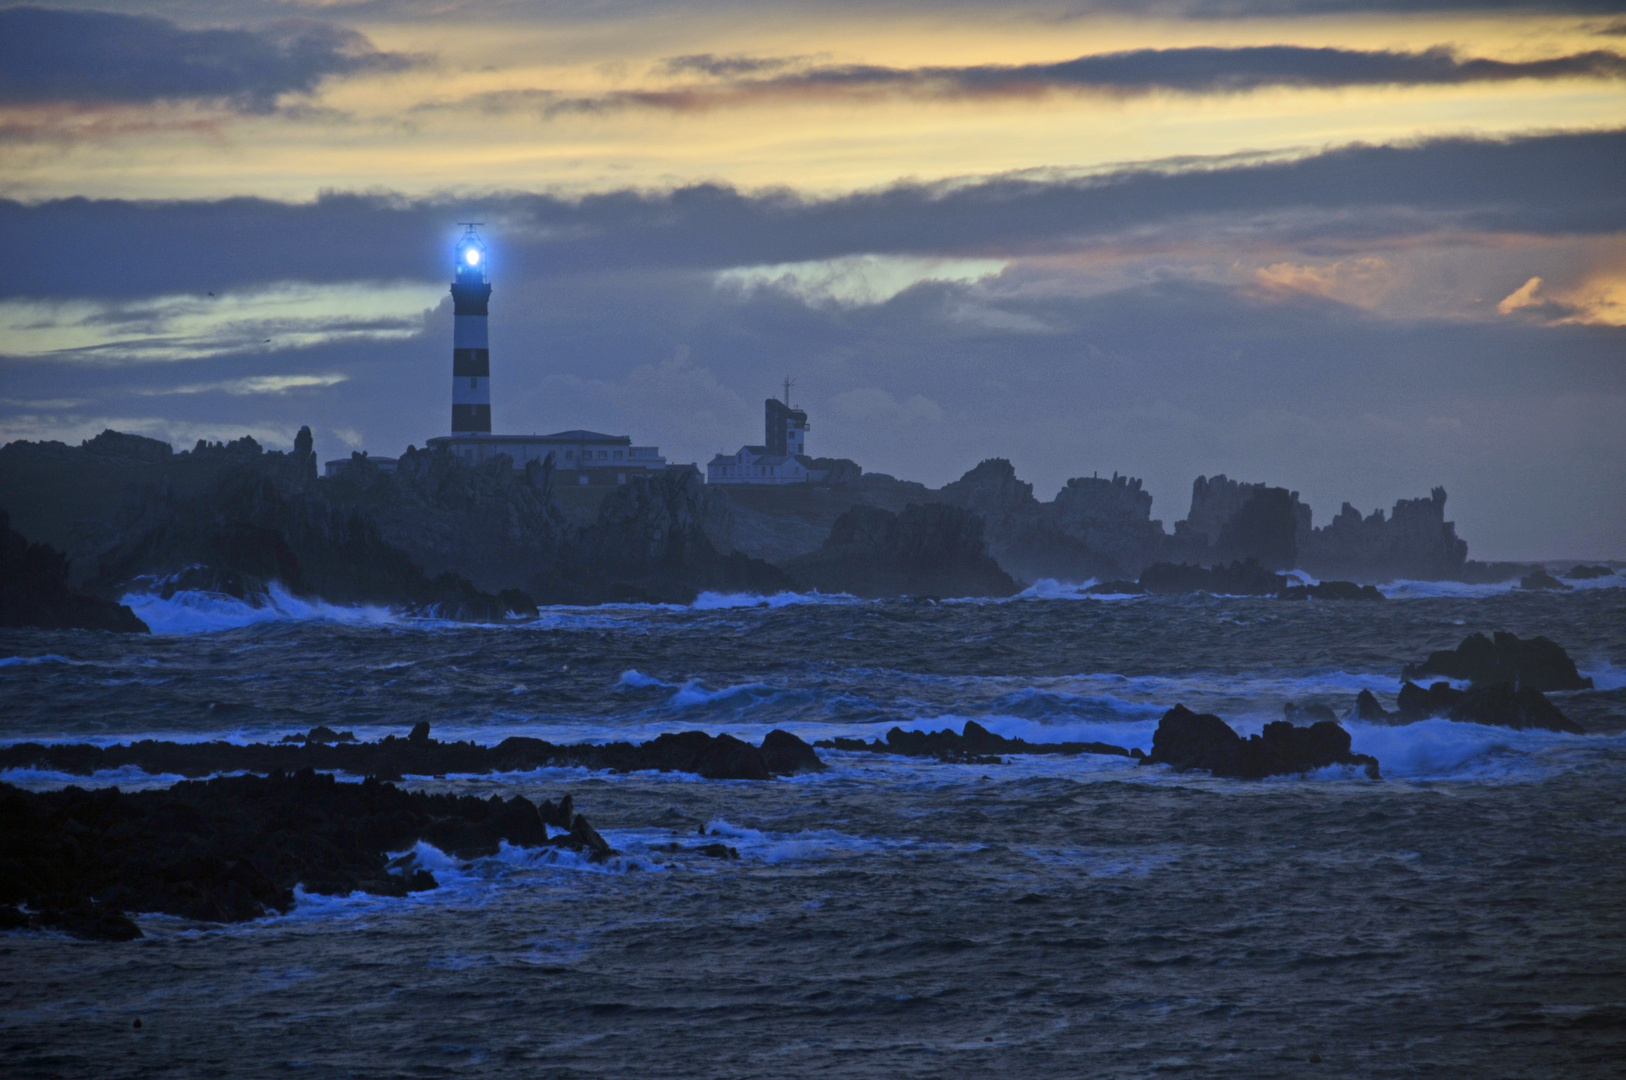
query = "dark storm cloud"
x=1552 y=185
x=1203 y=70
x=92 y=57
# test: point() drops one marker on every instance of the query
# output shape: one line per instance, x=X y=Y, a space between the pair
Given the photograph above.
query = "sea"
x=1046 y=916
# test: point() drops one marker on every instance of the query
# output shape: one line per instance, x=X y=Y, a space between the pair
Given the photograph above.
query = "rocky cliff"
x=931 y=550
x=1093 y=528
x=1414 y=542
x=649 y=544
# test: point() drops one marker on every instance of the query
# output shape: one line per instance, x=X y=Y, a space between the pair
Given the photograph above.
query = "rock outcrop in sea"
x=1188 y=740
x=1537 y=663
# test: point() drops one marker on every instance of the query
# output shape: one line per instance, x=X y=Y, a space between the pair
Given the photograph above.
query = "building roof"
x=576 y=435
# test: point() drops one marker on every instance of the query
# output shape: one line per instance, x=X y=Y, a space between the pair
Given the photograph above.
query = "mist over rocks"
x=1186 y=740
x=233 y=848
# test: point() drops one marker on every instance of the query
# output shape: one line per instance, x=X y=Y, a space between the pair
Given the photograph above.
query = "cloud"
x=172 y=328
x=1558 y=185
x=253 y=384
x=83 y=57
x=856 y=279
x=737 y=81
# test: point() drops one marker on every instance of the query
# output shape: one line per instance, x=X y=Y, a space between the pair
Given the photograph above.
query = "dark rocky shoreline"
x=712 y=757
x=233 y=848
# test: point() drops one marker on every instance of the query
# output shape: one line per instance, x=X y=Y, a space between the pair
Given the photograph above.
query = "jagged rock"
x=1294 y=713
x=1583 y=572
x=34 y=591
x=1239 y=579
x=1188 y=740
x=974 y=744
x=1413 y=703
x=1538 y=663
x=1332 y=590
x=935 y=550
x=1503 y=706
x=719 y=757
x=1415 y=542
x=1542 y=580
x=493 y=524
x=232 y=848
x=1094 y=527
x=786 y=755
x=648 y=544
x=263 y=521
x=1495 y=704
x=1368 y=708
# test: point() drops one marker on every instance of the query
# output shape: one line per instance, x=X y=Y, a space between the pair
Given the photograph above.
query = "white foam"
x=1606 y=676
x=633 y=678
x=1440 y=749
x=693 y=693
x=192 y=611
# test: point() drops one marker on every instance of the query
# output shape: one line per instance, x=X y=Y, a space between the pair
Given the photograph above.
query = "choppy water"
x=1045 y=917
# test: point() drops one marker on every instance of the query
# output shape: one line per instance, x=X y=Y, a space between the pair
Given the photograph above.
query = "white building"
x=782 y=459
x=579 y=457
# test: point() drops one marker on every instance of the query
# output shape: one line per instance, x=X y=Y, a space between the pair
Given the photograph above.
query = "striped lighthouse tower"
x=471 y=353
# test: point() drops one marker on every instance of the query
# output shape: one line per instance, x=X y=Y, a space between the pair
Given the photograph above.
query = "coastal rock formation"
x=262 y=521
x=935 y=550
x=974 y=744
x=1583 y=572
x=233 y=848
x=1093 y=528
x=1541 y=580
x=487 y=522
x=34 y=591
x=714 y=757
x=1495 y=705
x=1535 y=664
x=1414 y=542
x=1232 y=520
x=1188 y=740
x=1239 y=579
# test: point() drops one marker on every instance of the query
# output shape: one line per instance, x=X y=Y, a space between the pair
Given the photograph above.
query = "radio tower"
x=471 y=353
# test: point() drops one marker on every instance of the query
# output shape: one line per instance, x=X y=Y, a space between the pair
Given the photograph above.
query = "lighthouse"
x=471 y=353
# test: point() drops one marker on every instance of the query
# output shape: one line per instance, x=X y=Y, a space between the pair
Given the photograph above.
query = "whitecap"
x=192 y=611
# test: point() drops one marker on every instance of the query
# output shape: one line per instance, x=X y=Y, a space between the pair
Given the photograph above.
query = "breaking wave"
x=191 y=611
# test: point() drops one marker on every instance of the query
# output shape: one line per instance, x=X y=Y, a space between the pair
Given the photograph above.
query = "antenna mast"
x=788 y=384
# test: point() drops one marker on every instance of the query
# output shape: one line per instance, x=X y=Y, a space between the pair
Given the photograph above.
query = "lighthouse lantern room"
x=471 y=352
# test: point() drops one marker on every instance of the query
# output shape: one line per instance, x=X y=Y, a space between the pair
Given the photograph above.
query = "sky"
x=1354 y=249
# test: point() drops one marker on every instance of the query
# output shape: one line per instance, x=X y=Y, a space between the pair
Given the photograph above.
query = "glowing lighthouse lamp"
x=471 y=352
